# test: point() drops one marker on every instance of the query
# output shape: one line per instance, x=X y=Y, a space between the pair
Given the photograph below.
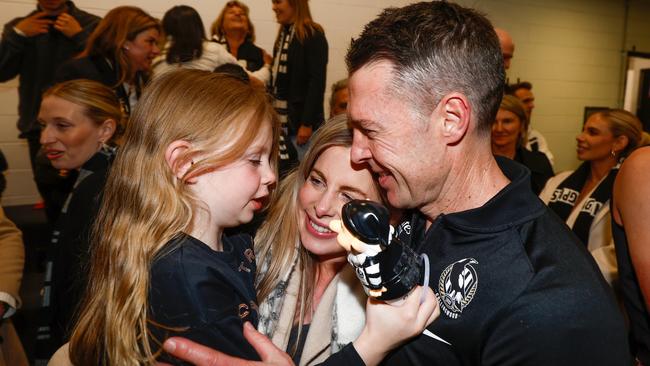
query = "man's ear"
x=455 y=112
x=173 y=154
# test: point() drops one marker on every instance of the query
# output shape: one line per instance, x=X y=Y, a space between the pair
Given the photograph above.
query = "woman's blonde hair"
x=119 y=25
x=303 y=23
x=277 y=241
x=512 y=104
x=217 y=27
x=98 y=101
x=624 y=123
x=145 y=205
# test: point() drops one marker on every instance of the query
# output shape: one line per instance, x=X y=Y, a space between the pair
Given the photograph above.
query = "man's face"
x=527 y=98
x=404 y=152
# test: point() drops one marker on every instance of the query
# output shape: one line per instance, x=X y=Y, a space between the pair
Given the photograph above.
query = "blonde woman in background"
x=234 y=30
x=582 y=197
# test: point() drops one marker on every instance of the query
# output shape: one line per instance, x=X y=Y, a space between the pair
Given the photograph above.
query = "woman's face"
x=143 y=49
x=333 y=181
x=506 y=129
x=284 y=12
x=69 y=137
x=596 y=140
x=234 y=18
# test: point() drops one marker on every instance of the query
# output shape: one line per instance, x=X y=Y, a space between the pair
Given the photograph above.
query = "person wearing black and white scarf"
x=582 y=197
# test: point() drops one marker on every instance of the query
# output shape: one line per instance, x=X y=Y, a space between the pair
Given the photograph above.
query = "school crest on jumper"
x=457 y=287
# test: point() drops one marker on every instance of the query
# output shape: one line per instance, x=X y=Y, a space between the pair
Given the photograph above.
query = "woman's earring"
x=613 y=154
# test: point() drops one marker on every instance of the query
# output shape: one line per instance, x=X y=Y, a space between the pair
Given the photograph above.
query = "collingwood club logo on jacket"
x=457 y=287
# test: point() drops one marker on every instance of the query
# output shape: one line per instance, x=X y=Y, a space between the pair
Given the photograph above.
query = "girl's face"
x=69 y=137
x=284 y=12
x=143 y=49
x=233 y=193
x=235 y=19
x=333 y=181
x=596 y=140
x=506 y=129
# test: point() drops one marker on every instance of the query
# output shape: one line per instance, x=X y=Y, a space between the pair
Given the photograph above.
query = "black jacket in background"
x=539 y=166
x=36 y=59
x=306 y=73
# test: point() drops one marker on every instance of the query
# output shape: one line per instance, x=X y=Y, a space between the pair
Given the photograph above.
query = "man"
x=536 y=142
x=514 y=285
x=507 y=46
x=339 y=98
x=33 y=47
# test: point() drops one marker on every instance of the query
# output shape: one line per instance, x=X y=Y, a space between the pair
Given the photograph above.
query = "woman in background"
x=187 y=46
x=298 y=75
x=78 y=121
x=118 y=54
x=509 y=136
x=582 y=197
x=234 y=30
x=630 y=212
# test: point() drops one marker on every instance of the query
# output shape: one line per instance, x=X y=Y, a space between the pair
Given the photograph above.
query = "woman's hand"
x=390 y=325
x=199 y=355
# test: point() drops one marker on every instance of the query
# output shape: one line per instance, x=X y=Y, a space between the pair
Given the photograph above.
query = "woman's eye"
x=347 y=197
x=315 y=181
x=255 y=161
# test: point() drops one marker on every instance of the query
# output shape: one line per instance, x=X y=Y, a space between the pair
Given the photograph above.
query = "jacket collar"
x=514 y=204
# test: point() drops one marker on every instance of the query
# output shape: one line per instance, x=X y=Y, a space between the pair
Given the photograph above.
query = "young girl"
x=196 y=160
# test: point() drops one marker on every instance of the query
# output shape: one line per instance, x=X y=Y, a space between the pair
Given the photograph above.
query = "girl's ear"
x=174 y=154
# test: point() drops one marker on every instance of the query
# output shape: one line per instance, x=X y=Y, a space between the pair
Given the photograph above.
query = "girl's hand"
x=390 y=325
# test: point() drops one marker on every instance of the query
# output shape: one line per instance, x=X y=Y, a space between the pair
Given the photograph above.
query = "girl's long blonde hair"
x=277 y=242
x=145 y=205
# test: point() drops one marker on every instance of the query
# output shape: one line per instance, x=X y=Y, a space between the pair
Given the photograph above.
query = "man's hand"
x=268 y=59
x=199 y=355
x=67 y=25
x=35 y=24
x=303 y=135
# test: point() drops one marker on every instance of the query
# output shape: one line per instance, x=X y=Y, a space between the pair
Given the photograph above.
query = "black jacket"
x=306 y=71
x=203 y=295
x=65 y=278
x=539 y=166
x=515 y=287
x=36 y=59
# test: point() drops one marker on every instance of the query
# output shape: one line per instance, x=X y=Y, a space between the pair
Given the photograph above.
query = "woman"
x=118 y=54
x=234 y=30
x=78 y=120
x=187 y=46
x=304 y=280
x=581 y=197
x=630 y=210
x=509 y=137
x=298 y=74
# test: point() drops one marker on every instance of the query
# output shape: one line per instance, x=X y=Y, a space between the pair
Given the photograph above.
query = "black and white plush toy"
x=387 y=269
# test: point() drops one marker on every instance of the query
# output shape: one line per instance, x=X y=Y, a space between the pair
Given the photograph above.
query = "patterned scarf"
x=566 y=194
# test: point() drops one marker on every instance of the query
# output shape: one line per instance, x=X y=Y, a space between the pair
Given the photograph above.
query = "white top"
x=213 y=56
x=600 y=243
x=536 y=136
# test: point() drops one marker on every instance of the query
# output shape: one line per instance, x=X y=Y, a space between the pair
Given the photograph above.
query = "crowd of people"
x=191 y=182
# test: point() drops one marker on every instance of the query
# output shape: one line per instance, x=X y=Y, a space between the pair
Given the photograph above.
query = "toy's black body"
x=396 y=268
